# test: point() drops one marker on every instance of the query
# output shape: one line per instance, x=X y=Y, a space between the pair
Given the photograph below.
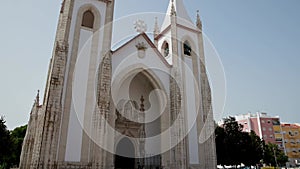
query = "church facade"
x=146 y=104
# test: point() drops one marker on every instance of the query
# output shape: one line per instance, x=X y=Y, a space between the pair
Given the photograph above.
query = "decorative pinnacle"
x=173 y=10
x=142 y=109
x=37 y=99
x=198 y=22
x=62 y=6
x=156 y=27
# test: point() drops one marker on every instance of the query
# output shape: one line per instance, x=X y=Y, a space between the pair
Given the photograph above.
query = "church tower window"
x=187 y=48
x=88 y=19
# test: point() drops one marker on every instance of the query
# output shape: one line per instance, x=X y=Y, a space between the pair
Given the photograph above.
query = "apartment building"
x=291 y=133
x=266 y=127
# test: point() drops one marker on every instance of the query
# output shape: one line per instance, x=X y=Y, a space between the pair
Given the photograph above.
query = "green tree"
x=17 y=137
x=235 y=146
x=10 y=145
x=254 y=150
x=229 y=142
x=221 y=147
x=233 y=140
x=5 y=145
x=273 y=156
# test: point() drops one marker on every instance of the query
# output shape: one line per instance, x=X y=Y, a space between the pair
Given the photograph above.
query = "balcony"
x=293 y=144
x=295 y=153
x=291 y=135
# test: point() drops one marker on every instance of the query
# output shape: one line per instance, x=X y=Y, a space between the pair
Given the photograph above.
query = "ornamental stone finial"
x=156 y=27
x=140 y=26
x=37 y=99
x=142 y=106
x=173 y=10
x=198 y=22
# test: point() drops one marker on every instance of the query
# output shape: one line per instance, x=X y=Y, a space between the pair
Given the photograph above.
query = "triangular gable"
x=149 y=42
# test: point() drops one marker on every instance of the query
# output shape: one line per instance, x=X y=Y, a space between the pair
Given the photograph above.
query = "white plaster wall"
x=74 y=139
x=191 y=108
x=101 y=6
x=126 y=60
x=184 y=34
x=164 y=78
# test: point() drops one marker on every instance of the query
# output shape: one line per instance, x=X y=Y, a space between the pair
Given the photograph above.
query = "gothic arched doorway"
x=124 y=158
x=139 y=114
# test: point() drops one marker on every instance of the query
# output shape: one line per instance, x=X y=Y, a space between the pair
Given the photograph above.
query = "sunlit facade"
x=266 y=127
x=291 y=133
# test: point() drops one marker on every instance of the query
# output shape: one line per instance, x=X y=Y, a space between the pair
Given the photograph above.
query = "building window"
x=263 y=121
x=166 y=49
x=270 y=129
x=187 y=48
x=269 y=121
x=264 y=129
x=276 y=122
x=271 y=136
x=265 y=136
x=88 y=19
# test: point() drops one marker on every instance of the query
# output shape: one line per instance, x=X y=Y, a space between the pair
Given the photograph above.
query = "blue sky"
x=258 y=43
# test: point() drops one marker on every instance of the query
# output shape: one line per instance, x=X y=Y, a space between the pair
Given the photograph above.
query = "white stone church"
x=143 y=105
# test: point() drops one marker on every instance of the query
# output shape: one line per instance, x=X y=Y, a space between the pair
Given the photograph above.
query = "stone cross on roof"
x=140 y=26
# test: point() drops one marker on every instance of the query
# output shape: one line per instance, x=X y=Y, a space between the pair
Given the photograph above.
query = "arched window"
x=88 y=19
x=187 y=48
x=166 y=49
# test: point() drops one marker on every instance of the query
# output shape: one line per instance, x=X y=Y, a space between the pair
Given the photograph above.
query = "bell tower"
x=83 y=38
x=181 y=43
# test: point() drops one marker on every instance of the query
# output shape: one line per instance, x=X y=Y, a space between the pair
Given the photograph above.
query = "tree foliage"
x=17 y=137
x=10 y=145
x=5 y=144
x=273 y=156
x=235 y=146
